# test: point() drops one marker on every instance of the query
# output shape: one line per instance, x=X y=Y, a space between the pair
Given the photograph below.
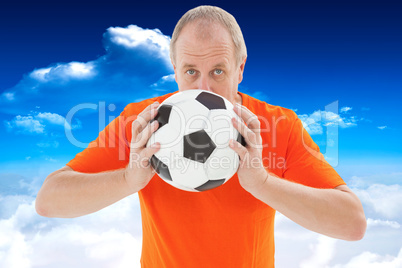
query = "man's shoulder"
x=262 y=108
x=135 y=108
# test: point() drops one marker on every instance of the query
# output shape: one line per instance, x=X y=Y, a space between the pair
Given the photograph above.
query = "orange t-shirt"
x=222 y=227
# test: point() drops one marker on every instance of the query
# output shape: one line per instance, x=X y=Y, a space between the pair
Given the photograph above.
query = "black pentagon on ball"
x=241 y=140
x=210 y=185
x=160 y=168
x=163 y=115
x=211 y=101
x=198 y=146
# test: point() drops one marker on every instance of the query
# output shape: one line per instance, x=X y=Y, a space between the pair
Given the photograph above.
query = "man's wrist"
x=132 y=187
x=260 y=183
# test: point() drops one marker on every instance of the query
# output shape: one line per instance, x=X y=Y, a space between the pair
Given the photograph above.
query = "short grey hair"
x=211 y=14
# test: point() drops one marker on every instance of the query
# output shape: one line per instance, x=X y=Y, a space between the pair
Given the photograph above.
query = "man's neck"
x=239 y=99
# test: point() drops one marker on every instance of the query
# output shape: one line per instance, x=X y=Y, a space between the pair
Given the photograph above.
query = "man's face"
x=205 y=59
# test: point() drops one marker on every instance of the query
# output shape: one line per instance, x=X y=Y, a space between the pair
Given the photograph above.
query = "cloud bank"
x=108 y=238
x=379 y=248
x=112 y=236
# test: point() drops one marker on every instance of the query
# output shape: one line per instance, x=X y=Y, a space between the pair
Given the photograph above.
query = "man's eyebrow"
x=220 y=65
x=188 y=65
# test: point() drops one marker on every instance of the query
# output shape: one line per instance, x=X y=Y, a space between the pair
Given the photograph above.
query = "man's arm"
x=67 y=193
x=333 y=212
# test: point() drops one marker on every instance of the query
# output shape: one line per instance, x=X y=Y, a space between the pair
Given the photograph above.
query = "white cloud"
x=363 y=182
x=384 y=223
x=322 y=253
x=72 y=245
x=52 y=118
x=40 y=74
x=382 y=127
x=312 y=250
x=373 y=260
x=166 y=83
x=80 y=70
x=25 y=124
x=108 y=238
x=64 y=72
x=10 y=203
x=345 y=109
x=170 y=78
x=385 y=200
x=50 y=159
x=37 y=123
x=53 y=144
x=8 y=96
x=315 y=122
x=133 y=37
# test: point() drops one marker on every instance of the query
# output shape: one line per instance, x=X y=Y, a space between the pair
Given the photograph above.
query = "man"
x=229 y=226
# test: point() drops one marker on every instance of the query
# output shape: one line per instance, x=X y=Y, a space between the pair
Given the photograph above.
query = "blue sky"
x=93 y=58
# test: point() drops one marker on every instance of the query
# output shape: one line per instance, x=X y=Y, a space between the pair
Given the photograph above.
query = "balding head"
x=205 y=17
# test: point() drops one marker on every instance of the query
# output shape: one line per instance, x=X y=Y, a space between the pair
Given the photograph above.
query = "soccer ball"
x=194 y=132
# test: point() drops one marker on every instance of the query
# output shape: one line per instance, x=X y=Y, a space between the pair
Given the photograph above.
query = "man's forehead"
x=217 y=54
x=195 y=64
x=205 y=28
x=204 y=31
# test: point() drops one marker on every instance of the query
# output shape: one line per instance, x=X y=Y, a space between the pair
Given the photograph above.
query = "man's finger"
x=248 y=117
x=248 y=135
x=142 y=138
x=148 y=152
x=144 y=117
x=238 y=148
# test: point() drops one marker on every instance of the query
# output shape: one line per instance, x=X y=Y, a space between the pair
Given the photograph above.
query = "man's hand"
x=251 y=171
x=139 y=171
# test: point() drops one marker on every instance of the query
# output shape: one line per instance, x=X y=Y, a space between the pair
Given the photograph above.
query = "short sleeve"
x=305 y=164
x=110 y=151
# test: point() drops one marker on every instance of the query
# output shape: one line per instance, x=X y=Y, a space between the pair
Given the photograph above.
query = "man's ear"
x=174 y=68
x=243 y=63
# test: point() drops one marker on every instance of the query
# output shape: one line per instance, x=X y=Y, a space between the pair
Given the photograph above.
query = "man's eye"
x=218 y=71
x=191 y=72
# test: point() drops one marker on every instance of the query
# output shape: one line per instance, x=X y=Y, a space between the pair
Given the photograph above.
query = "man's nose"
x=204 y=83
